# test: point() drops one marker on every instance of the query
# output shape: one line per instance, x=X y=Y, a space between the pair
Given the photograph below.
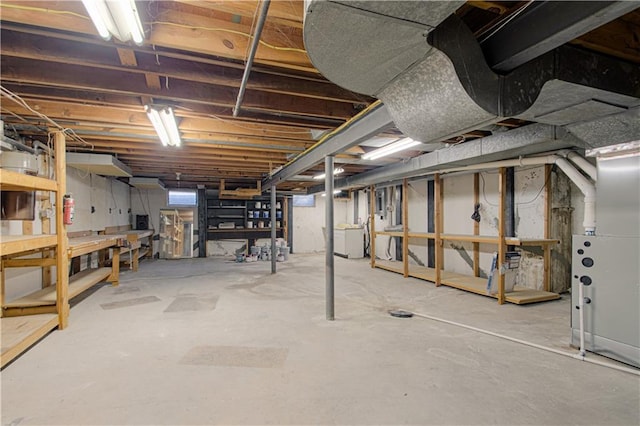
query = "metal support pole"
x=252 y=54
x=274 y=253
x=329 y=271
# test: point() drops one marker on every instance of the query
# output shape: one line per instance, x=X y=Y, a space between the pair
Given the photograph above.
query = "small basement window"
x=182 y=198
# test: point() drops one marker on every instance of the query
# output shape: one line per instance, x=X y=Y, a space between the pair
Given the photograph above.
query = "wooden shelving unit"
x=247 y=216
x=20 y=332
x=474 y=284
x=171 y=234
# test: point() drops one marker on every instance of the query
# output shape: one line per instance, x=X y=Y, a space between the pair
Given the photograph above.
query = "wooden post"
x=438 y=226
x=62 y=259
x=114 y=278
x=46 y=229
x=405 y=227
x=476 y=225
x=502 y=248
x=372 y=229
x=2 y=278
x=546 y=284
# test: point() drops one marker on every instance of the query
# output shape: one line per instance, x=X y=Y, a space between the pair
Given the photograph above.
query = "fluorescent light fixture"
x=627 y=149
x=165 y=124
x=392 y=148
x=336 y=171
x=337 y=191
x=118 y=18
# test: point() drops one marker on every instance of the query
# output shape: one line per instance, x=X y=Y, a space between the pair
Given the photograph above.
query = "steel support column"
x=329 y=270
x=274 y=252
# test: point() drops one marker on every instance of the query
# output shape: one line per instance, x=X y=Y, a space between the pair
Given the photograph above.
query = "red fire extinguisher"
x=68 y=208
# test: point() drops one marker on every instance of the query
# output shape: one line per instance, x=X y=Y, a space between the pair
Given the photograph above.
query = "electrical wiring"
x=17 y=99
x=484 y=195
x=236 y=32
x=40 y=9
x=191 y=27
x=546 y=182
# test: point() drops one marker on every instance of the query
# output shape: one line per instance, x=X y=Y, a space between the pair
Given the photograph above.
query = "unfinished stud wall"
x=418 y=221
x=457 y=208
x=529 y=222
x=110 y=198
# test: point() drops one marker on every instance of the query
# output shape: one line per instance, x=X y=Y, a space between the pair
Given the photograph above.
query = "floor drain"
x=400 y=313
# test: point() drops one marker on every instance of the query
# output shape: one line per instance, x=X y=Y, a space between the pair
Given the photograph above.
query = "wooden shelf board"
x=13 y=181
x=391 y=233
x=422 y=235
x=12 y=244
x=472 y=238
x=141 y=253
x=530 y=241
x=84 y=245
x=47 y=296
x=19 y=333
x=389 y=266
x=142 y=233
x=520 y=295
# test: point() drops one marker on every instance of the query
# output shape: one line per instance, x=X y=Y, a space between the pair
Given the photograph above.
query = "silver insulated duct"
x=427 y=67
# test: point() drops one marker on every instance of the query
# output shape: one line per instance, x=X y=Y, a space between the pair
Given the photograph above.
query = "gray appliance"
x=608 y=265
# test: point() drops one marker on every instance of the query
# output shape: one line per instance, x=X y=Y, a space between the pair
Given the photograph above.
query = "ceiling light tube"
x=336 y=171
x=392 y=148
x=154 y=117
x=118 y=18
x=170 y=126
x=129 y=23
x=100 y=17
x=337 y=191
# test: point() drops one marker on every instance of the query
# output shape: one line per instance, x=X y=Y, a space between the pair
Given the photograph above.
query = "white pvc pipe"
x=583 y=164
x=581 y=314
x=589 y=191
x=578 y=356
x=587 y=187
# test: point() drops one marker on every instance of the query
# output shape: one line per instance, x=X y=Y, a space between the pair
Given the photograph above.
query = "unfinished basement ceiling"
x=193 y=59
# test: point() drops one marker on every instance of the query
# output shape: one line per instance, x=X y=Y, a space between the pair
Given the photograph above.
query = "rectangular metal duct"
x=100 y=164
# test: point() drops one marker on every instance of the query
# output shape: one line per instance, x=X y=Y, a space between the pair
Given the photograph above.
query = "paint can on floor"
x=284 y=251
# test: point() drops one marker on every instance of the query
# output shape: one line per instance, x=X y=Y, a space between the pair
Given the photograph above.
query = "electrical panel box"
x=609 y=268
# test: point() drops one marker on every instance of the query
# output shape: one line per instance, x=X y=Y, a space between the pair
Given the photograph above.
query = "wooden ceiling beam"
x=36 y=47
x=107 y=119
x=109 y=81
x=202 y=160
x=184 y=152
x=177 y=27
x=286 y=13
x=172 y=28
x=223 y=115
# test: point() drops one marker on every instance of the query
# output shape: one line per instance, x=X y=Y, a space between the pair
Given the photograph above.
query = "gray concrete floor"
x=205 y=341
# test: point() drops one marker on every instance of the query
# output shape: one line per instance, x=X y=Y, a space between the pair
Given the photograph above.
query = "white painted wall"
x=417 y=200
x=458 y=207
x=309 y=221
x=110 y=198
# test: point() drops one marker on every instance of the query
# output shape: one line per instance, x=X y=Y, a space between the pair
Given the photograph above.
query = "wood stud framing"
x=474 y=283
